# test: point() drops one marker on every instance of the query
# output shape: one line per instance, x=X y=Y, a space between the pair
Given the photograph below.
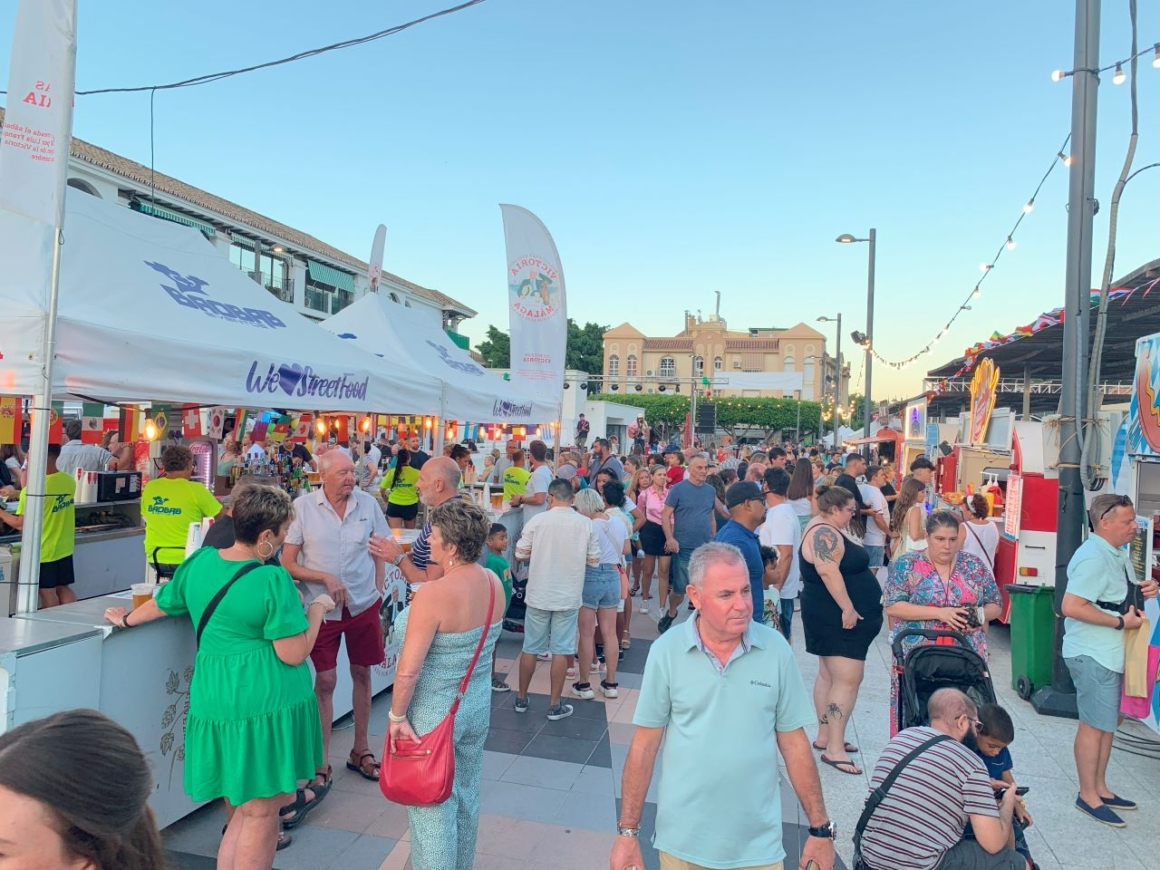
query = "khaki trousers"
x=668 y=862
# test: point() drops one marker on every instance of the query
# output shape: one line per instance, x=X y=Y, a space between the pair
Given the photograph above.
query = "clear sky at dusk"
x=673 y=149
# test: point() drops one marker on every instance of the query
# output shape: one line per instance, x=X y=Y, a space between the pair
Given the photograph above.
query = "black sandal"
x=360 y=770
x=294 y=814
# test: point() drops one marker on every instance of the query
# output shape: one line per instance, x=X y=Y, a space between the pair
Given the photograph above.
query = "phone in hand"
x=1020 y=790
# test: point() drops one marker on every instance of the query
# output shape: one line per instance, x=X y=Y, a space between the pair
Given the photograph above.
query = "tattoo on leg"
x=824 y=720
x=834 y=711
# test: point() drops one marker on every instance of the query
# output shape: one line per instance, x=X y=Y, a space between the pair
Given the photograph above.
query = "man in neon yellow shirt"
x=168 y=505
x=515 y=479
x=57 y=536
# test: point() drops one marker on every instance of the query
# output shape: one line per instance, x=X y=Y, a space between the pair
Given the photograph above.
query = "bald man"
x=438 y=482
x=327 y=551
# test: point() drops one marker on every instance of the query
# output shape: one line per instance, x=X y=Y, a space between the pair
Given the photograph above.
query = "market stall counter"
x=109 y=555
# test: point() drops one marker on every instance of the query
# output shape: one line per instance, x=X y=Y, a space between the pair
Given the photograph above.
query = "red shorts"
x=364 y=640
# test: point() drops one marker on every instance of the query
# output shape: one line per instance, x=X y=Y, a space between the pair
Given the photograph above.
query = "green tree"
x=496 y=349
x=585 y=347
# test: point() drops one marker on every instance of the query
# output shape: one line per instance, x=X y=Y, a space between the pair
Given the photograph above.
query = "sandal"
x=293 y=814
x=839 y=765
x=634 y=591
x=361 y=769
x=851 y=749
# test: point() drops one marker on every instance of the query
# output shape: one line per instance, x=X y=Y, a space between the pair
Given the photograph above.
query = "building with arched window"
x=678 y=361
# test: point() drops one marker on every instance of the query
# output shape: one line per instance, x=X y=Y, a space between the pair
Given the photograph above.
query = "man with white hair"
x=326 y=552
x=725 y=697
x=438 y=482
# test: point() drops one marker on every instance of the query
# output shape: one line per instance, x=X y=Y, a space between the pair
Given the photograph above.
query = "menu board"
x=1014 y=506
x=1140 y=550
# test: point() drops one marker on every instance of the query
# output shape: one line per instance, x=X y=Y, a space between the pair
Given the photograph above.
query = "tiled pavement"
x=550 y=790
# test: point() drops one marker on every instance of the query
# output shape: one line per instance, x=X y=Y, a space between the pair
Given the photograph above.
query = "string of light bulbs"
x=1061 y=156
x=1119 y=77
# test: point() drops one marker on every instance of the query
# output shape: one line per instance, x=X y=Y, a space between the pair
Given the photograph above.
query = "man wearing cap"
x=746 y=507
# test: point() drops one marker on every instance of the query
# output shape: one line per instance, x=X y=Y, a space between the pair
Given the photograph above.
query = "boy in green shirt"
x=57 y=536
x=497 y=544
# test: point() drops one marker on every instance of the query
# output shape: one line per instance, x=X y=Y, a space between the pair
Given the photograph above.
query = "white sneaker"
x=544 y=657
x=643 y=607
x=572 y=673
x=583 y=690
x=610 y=690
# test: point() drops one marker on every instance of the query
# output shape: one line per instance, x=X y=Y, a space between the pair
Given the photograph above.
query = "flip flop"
x=851 y=749
x=838 y=765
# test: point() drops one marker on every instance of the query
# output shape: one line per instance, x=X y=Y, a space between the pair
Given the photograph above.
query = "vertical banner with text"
x=537 y=303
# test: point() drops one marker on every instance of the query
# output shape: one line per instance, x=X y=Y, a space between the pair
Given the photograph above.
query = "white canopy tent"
x=150 y=310
x=411 y=343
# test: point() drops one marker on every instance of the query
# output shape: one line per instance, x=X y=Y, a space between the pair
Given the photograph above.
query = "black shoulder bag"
x=879 y=795
x=221 y=593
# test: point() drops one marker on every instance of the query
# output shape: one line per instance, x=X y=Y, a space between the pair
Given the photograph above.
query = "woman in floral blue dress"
x=940 y=588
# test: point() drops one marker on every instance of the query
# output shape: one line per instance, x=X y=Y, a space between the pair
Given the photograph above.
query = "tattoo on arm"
x=826 y=544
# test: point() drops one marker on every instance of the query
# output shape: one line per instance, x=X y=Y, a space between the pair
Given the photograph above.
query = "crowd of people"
x=725 y=548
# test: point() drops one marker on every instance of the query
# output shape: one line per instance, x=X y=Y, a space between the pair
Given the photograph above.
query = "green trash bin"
x=1032 y=622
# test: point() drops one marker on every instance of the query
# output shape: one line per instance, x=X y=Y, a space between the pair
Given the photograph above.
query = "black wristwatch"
x=1120 y=624
x=828 y=831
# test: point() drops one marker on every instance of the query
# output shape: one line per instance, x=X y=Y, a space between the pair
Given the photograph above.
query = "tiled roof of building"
x=668 y=344
x=197 y=198
x=743 y=344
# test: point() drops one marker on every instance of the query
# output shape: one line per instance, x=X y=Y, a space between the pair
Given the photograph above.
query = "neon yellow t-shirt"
x=514 y=481
x=168 y=506
x=403 y=489
x=58 y=535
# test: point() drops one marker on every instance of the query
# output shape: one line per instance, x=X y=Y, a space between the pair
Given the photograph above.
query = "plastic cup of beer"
x=497 y=501
x=142 y=592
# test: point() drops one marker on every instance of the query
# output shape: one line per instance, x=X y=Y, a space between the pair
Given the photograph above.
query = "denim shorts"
x=601 y=587
x=679 y=571
x=1097 y=693
x=877 y=556
x=551 y=631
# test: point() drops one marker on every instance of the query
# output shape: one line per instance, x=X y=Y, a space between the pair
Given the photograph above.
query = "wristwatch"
x=828 y=831
x=1120 y=623
x=622 y=831
x=398 y=560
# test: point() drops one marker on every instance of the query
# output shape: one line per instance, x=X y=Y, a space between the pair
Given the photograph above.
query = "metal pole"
x=28 y=579
x=1058 y=699
x=838 y=384
x=797 y=429
x=866 y=400
x=693 y=412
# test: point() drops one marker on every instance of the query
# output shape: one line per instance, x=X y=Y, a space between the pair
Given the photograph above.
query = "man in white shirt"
x=878 y=520
x=257 y=449
x=783 y=532
x=326 y=551
x=535 y=497
x=75 y=454
x=559 y=544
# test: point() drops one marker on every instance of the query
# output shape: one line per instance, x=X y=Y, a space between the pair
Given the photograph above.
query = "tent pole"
x=28 y=580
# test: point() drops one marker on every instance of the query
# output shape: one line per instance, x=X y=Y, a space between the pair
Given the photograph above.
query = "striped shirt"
x=926 y=809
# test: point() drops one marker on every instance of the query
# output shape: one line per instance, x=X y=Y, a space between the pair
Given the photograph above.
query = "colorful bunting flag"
x=92 y=422
x=191 y=421
x=11 y=420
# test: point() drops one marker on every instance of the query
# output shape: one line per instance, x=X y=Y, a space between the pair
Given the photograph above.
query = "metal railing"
x=283 y=288
x=340 y=300
x=316 y=300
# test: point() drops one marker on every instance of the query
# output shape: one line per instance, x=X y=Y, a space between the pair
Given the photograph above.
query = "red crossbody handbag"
x=422 y=773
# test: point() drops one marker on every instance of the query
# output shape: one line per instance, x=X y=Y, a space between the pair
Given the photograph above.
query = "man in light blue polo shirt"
x=1093 y=647
x=725 y=695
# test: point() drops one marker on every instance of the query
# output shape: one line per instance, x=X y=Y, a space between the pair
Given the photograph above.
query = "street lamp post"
x=837 y=370
x=872 y=240
x=797 y=429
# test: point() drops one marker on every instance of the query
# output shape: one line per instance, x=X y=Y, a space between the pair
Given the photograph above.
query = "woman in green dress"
x=253 y=730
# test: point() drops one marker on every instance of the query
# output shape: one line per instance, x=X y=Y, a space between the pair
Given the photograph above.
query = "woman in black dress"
x=841 y=616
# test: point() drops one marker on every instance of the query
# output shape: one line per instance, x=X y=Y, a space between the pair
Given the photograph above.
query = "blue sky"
x=672 y=148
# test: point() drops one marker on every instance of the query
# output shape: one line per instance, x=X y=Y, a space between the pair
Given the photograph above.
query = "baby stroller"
x=948 y=662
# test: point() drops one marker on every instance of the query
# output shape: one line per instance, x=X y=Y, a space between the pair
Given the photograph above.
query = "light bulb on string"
x=1058 y=75
x=1119 y=78
x=1030 y=205
x=986 y=267
x=1156 y=59
x=1066 y=158
x=1010 y=244
x=976 y=292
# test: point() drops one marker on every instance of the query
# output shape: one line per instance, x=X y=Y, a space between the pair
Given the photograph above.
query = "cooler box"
x=1032 y=622
x=118 y=485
